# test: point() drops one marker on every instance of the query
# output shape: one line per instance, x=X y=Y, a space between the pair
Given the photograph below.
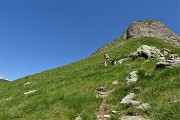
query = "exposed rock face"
x=151 y=28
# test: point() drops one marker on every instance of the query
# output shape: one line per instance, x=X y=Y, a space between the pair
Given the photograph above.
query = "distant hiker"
x=106 y=59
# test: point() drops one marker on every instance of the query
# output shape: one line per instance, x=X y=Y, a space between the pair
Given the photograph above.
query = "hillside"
x=70 y=91
x=3 y=83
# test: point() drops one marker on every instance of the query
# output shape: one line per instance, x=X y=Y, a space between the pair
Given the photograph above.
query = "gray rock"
x=172 y=61
x=78 y=118
x=134 y=103
x=103 y=89
x=143 y=106
x=146 y=52
x=133 y=118
x=134 y=55
x=30 y=92
x=136 y=90
x=102 y=94
x=149 y=51
x=161 y=58
x=120 y=61
x=175 y=101
x=165 y=53
x=6 y=99
x=167 y=50
x=151 y=28
x=115 y=82
x=127 y=98
x=27 y=83
x=114 y=112
x=132 y=77
x=103 y=117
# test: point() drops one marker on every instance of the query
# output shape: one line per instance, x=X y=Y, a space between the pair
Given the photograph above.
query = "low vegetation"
x=67 y=92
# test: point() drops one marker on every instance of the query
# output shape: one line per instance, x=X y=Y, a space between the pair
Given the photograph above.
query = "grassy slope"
x=68 y=91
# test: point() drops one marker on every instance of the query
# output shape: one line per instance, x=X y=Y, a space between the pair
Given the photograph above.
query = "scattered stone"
x=132 y=77
x=172 y=61
x=113 y=62
x=175 y=101
x=129 y=65
x=136 y=90
x=143 y=106
x=115 y=82
x=127 y=98
x=103 y=89
x=27 y=83
x=161 y=58
x=173 y=56
x=114 y=112
x=120 y=61
x=101 y=94
x=134 y=103
x=133 y=55
x=130 y=113
x=78 y=118
x=3 y=100
x=30 y=92
x=165 y=53
x=133 y=118
x=103 y=117
x=166 y=50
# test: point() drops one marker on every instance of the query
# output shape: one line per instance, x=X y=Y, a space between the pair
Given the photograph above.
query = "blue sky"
x=36 y=35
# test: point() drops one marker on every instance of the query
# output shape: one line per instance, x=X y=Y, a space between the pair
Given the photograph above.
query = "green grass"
x=68 y=91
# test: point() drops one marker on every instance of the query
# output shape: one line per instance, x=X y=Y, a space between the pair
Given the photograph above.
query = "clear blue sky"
x=36 y=35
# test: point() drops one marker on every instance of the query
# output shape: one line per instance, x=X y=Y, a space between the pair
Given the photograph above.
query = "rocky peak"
x=151 y=28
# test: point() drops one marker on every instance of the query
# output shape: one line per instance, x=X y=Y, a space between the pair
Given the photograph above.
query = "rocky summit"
x=151 y=28
x=146 y=28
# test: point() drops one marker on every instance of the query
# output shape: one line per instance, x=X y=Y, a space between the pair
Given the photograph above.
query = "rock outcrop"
x=146 y=52
x=151 y=28
x=172 y=61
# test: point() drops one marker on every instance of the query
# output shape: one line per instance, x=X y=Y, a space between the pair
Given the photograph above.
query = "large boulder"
x=146 y=52
x=149 y=51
